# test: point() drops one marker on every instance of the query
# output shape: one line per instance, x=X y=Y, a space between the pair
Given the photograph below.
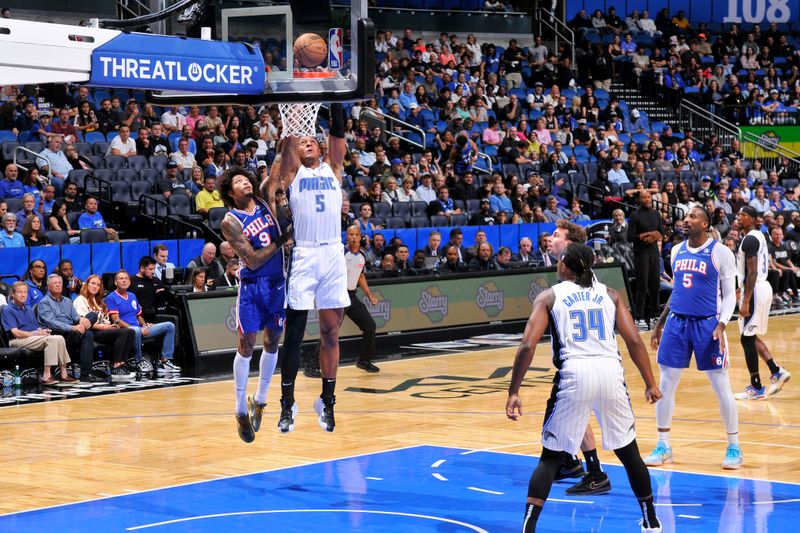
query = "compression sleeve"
x=726 y=263
x=749 y=246
x=337 y=120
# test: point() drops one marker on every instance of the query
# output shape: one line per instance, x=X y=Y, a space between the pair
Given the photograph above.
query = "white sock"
x=241 y=372
x=266 y=367
x=727 y=403
x=668 y=383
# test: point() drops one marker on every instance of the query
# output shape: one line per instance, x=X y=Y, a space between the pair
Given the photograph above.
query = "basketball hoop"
x=316 y=74
x=299 y=120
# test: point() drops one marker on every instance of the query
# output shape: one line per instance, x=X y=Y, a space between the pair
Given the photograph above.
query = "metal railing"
x=44 y=179
x=752 y=146
x=547 y=19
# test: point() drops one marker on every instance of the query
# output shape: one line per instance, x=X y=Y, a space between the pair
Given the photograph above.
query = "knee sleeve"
x=750 y=352
x=542 y=478
x=638 y=476
x=292 y=344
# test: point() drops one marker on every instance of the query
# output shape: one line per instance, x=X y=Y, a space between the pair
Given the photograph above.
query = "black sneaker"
x=325 y=411
x=255 y=410
x=311 y=372
x=288 y=413
x=369 y=366
x=121 y=373
x=571 y=469
x=245 y=429
x=591 y=484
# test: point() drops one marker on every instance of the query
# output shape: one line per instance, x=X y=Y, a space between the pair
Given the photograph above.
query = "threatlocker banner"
x=406 y=306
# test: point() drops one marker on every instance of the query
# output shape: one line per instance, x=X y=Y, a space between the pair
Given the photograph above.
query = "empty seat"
x=395 y=222
x=403 y=210
x=138 y=162
x=57 y=237
x=381 y=209
x=93 y=235
x=138 y=188
x=100 y=148
x=419 y=209
x=215 y=216
x=115 y=161
x=126 y=174
x=420 y=222
x=121 y=192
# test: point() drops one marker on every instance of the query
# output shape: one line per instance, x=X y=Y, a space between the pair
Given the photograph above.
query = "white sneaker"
x=653 y=529
x=171 y=367
x=777 y=381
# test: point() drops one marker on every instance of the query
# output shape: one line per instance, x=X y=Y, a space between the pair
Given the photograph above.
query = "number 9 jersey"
x=260 y=228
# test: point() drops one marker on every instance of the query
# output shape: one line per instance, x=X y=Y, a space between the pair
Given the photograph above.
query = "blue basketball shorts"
x=684 y=335
x=261 y=304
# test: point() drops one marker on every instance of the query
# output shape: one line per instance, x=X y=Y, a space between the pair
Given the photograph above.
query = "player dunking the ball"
x=252 y=230
x=752 y=264
x=694 y=321
x=317 y=271
x=582 y=314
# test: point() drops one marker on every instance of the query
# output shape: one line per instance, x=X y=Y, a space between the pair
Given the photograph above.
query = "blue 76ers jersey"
x=260 y=228
x=697 y=288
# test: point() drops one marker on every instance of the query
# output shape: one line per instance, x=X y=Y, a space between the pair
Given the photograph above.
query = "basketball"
x=310 y=50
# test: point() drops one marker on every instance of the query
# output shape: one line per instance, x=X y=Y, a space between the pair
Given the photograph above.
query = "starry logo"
x=537 y=286
x=433 y=304
x=490 y=299
x=231 y=321
x=381 y=311
x=770 y=138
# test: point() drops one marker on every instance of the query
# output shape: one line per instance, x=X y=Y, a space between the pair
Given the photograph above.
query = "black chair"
x=97 y=161
x=420 y=222
x=419 y=209
x=127 y=175
x=381 y=210
x=395 y=222
x=34 y=146
x=84 y=149
x=402 y=210
x=8 y=150
x=215 y=216
x=104 y=174
x=94 y=235
x=57 y=237
x=121 y=192
x=158 y=162
x=100 y=148
x=115 y=161
x=150 y=174
x=138 y=162
x=72 y=218
x=458 y=220
x=473 y=206
x=181 y=205
x=138 y=188
x=440 y=220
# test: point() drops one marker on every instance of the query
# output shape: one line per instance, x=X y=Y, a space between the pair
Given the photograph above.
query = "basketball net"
x=299 y=120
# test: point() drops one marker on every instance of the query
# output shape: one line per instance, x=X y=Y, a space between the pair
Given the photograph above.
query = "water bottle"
x=17 y=380
x=8 y=379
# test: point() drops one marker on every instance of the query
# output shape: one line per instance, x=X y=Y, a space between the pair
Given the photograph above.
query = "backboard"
x=346 y=74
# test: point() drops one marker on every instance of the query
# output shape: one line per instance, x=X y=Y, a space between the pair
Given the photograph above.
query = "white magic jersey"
x=762 y=256
x=582 y=322
x=315 y=198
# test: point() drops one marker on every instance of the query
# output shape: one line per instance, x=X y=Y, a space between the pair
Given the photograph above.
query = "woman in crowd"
x=407 y=193
x=33 y=233
x=58 y=222
x=199 y=280
x=90 y=304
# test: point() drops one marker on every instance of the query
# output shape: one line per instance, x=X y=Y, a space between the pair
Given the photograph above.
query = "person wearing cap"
x=790 y=200
x=131 y=117
x=171 y=183
x=617 y=175
x=637 y=123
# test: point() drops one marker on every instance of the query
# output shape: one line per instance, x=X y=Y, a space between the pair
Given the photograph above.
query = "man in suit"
x=432 y=249
x=161 y=254
x=525 y=253
x=457 y=240
x=543 y=254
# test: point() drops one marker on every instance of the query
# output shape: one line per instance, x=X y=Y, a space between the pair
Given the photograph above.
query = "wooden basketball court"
x=88 y=448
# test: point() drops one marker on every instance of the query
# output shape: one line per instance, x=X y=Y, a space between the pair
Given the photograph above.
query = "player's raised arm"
x=232 y=231
x=535 y=328
x=636 y=349
x=289 y=161
x=337 y=147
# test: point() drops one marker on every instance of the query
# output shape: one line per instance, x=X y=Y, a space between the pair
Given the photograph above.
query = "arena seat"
x=94 y=235
x=57 y=237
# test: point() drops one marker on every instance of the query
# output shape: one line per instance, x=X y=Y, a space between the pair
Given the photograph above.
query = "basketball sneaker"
x=660 y=456
x=572 y=468
x=245 y=429
x=121 y=373
x=288 y=414
x=325 y=411
x=777 y=381
x=650 y=528
x=255 y=410
x=591 y=484
x=751 y=393
x=733 y=458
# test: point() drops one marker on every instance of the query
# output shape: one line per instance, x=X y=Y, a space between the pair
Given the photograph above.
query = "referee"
x=356 y=311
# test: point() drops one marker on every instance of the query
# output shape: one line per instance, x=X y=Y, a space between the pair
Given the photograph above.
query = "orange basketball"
x=310 y=50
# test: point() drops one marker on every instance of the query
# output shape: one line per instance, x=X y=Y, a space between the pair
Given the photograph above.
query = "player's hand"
x=652 y=394
x=513 y=407
x=655 y=338
x=744 y=310
x=718 y=331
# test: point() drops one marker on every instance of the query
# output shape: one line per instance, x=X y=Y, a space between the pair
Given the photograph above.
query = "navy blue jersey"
x=463 y=161
x=260 y=228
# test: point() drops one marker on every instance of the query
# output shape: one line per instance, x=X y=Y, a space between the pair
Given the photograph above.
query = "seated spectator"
x=425 y=192
x=77 y=162
x=183 y=157
x=617 y=175
x=543 y=255
x=387 y=266
x=71 y=198
x=375 y=251
x=57 y=314
x=553 y=212
x=575 y=213
x=499 y=201
x=198 y=280
x=10 y=186
x=63 y=126
x=34 y=184
x=124 y=310
x=35 y=279
x=402 y=263
x=147 y=288
x=618 y=232
x=72 y=284
x=28 y=209
x=208 y=198
x=56 y=161
x=407 y=193
x=432 y=248
x=33 y=234
x=9 y=238
x=208 y=262
x=58 y=222
x=231 y=276
x=485 y=260
x=443 y=205
x=525 y=251
x=391 y=194
x=780 y=259
x=484 y=216
x=159 y=144
x=451 y=264
x=457 y=240
x=760 y=202
x=122 y=144
x=24 y=332
x=171 y=183
x=91 y=218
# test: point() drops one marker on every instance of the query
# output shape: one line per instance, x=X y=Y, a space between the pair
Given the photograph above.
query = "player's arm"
x=638 y=353
x=268 y=188
x=537 y=324
x=232 y=231
x=362 y=282
x=289 y=161
x=727 y=277
x=750 y=247
x=337 y=147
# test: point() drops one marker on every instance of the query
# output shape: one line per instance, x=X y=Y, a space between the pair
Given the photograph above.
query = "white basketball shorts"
x=760 y=303
x=317 y=278
x=585 y=385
